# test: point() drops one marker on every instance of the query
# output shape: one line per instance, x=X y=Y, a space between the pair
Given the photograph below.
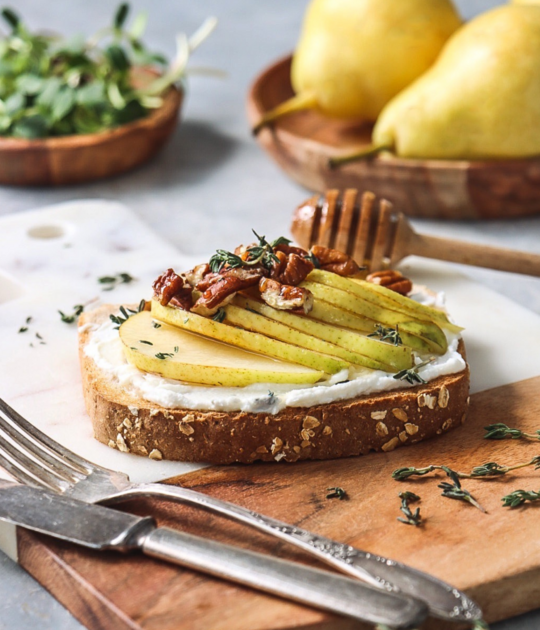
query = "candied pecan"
x=182 y=299
x=290 y=249
x=167 y=286
x=391 y=279
x=285 y=297
x=292 y=269
x=223 y=288
x=195 y=275
x=335 y=261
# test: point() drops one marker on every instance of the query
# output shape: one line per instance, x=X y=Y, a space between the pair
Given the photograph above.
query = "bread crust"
x=376 y=422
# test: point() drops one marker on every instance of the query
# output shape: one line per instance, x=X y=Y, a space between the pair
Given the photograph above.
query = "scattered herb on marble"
x=519 y=497
x=111 y=282
x=70 y=319
x=387 y=334
x=336 y=493
x=51 y=86
x=411 y=518
x=411 y=375
x=219 y=315
x=501 y=431
x=24 y=328
x=126 y=313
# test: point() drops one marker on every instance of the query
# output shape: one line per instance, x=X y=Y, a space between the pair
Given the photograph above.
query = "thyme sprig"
x=501 y=431
x=519 y=497
x=411 y=375
x=112 y=282
x=411 y=518
x=126 y=313
x=336 y=493
x=260 y=254
x=488 y=469
x=387 y=334
x=455 y=491
x=70 y=319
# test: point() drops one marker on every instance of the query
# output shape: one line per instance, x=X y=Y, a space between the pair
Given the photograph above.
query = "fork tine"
x=21 y=466
x=29 y=446
x=36 y=441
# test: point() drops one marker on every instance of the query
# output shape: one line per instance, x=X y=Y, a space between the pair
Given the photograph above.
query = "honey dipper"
x=378 y=237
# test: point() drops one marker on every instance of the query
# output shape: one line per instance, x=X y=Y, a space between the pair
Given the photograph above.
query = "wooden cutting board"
x=494 y=557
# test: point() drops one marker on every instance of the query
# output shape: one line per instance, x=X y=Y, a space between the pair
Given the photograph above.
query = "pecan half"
x=290 y=249
x=292 y=269
x=285 y=297
x=335 y=261
x=169 y=289
x=391 y=279
x=195 y=275
x=223 y=288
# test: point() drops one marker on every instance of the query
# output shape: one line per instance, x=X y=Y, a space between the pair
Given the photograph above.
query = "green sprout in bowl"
x=51 y=86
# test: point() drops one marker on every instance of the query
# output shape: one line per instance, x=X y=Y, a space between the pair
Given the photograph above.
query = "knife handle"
x=445 y=601
x=334 y=593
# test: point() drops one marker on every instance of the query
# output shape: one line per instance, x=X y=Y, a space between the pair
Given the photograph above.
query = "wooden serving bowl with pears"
x=303 y=142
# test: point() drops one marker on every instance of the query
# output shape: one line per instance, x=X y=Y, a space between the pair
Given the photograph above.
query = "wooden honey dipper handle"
x=473 y=254
x=377 y=237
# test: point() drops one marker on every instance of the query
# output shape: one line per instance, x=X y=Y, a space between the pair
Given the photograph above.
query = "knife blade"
x=103 y=528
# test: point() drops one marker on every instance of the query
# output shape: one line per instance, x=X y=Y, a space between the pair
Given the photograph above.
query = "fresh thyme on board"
x=501 y=431
x=336 y=493
x=411 y=518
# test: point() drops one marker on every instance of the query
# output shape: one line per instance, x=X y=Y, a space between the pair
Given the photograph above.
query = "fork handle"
x=334 y=593
x=474 y=254
x=444 y=601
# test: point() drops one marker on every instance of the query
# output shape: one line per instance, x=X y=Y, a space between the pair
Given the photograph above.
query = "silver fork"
x=33 y=458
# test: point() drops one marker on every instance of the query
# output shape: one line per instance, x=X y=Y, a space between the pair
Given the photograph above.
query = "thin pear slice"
x=356 y=305
x=430 y=333
x=181 y=355
x=358 y=349
x=384 y=297
x=255 y=342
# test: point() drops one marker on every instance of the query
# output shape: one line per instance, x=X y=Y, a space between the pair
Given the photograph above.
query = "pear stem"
x=369 y=151
x=297 y=103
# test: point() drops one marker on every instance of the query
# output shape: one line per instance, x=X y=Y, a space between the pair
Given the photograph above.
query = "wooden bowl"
x=81 y=158
x=301 y=144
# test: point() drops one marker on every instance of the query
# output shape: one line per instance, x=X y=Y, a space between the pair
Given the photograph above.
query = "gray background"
x=214 y=182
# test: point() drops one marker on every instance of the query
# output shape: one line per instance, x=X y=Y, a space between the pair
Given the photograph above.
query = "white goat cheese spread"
x=106 y=350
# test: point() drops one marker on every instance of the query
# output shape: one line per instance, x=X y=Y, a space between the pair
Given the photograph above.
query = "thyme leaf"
x=411 y=518
x=453 y=491
x=411 y=375
x=164 y=355
x=219 y=315
x=388 y=334
x=126 y=313
x=70 y=319
x=519 y=497
x=336 y=493
x=501 y=431
x=112 y=282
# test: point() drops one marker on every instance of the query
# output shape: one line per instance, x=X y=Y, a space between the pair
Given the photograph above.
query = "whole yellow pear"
x=481 y=99
x=353 y=56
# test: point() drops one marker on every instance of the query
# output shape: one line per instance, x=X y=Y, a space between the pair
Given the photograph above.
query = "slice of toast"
x=376 y=422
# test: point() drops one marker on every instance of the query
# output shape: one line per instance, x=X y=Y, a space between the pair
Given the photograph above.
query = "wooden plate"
x=82 y=158
x=301 y=144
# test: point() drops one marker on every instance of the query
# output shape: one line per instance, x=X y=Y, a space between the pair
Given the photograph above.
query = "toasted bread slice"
x=376 y=422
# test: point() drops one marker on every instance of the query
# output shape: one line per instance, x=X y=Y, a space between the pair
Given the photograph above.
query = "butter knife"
x=101 y=528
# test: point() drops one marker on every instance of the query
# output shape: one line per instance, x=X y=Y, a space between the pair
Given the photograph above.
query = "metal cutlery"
x=34 y=459
x=102 y=528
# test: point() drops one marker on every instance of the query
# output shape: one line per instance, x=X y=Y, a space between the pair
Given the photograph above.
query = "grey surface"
x=212 y=183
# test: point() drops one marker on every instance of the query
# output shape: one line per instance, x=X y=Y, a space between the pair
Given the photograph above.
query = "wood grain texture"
x=75 y=159
x=495 y=557
x=301 y=144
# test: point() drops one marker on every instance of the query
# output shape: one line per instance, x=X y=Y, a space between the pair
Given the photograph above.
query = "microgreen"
x=51 y=86
x=411 y=518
